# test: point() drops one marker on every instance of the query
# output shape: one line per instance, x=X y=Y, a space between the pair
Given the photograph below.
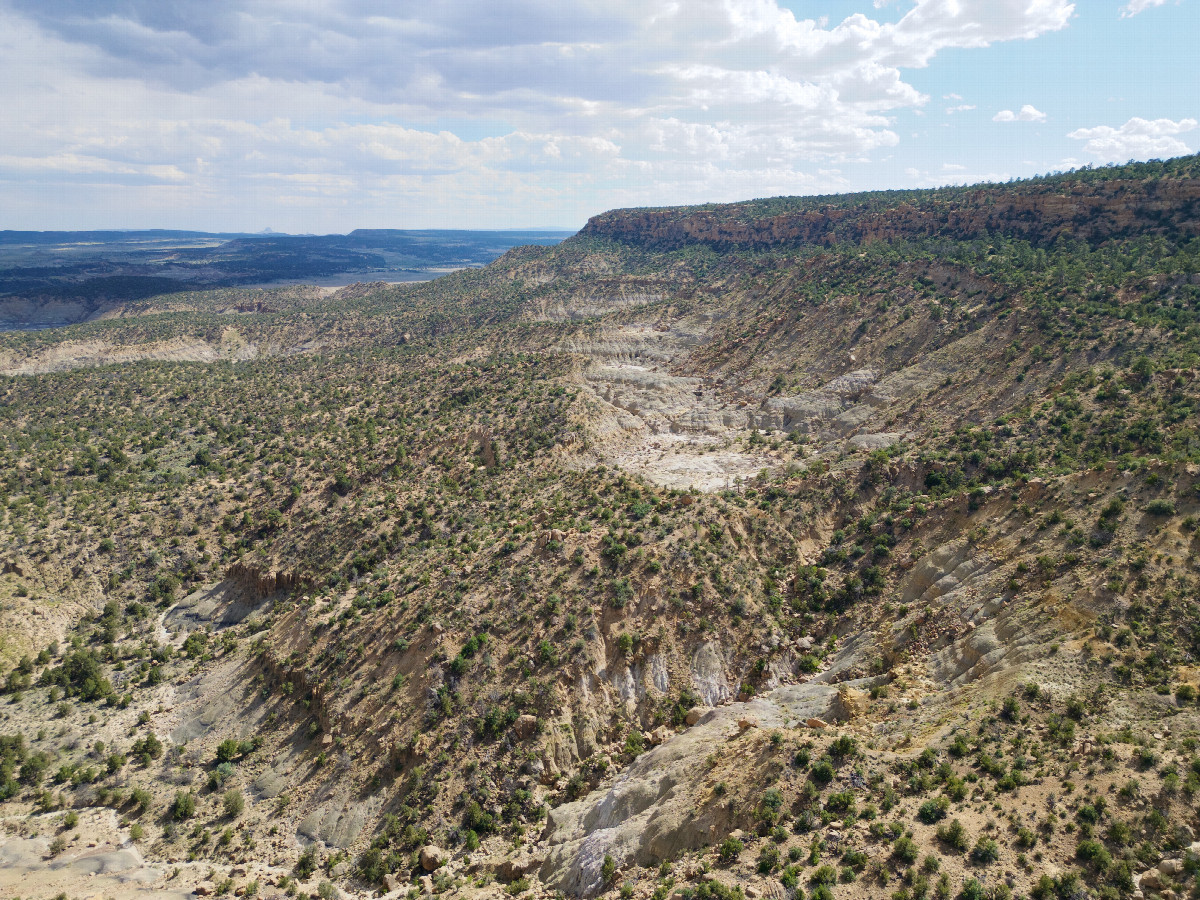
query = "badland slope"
x=843 y=547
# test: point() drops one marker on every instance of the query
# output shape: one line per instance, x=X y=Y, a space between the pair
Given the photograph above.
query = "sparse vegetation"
x=436 y=587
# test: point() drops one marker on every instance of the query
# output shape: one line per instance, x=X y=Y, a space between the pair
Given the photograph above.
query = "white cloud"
x=962 y=107
x=463 y=101
x=951 y=174
x=1136 y=139
x=71 y=164
x=1027 y=113
x=1133 y=7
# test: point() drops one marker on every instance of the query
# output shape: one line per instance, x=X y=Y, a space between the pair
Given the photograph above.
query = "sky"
x=321 y=117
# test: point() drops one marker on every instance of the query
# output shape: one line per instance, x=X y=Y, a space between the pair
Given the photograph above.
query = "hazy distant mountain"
x=53 y=278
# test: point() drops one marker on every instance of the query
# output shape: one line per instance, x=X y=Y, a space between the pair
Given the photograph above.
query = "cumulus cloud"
x=1027 y=113
x=1136 y=139
x=584 y=101
x=1133 y=7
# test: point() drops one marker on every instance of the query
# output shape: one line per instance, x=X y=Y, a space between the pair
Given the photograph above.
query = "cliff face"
x=1037 y=212
x=261 y=583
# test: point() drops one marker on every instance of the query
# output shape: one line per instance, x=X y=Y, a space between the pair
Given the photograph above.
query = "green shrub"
x=1094 y=854
x=824 y=875
x=841 y=802
x=768 y=859
x=855 y=859
x=1119 y=833
x=547 y=653
x=772 y=802
x=790 y=881
x=711 y=889
x=985 y=851
x=953 y=835
x=184 y=805
x=843 y=746
x=822 y=772
x=233 y=803
x=306 y=864
x=148 y=747
x=933 y=810
x=905 y=851
x=729 y=850
x=1062 y=887
x=608 y=869
x=140 y=797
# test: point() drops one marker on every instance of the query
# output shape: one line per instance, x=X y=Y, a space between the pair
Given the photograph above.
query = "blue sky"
x=309 y=116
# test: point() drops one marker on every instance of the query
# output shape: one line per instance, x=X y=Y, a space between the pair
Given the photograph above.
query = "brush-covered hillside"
x=836 y=547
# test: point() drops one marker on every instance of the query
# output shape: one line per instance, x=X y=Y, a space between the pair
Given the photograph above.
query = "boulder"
x=1150 y=880
x=204 y=889
x=850 y=704
x=1170 y=868
x=432 y=857
x=391 y=882
x=747 y=722
x=515 y=867
x=426 y=883
x=525 y=726
x=695 y=714
x=708 y=674
x=816 y=723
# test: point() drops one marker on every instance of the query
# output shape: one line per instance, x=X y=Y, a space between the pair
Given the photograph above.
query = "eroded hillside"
x=856 y=560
